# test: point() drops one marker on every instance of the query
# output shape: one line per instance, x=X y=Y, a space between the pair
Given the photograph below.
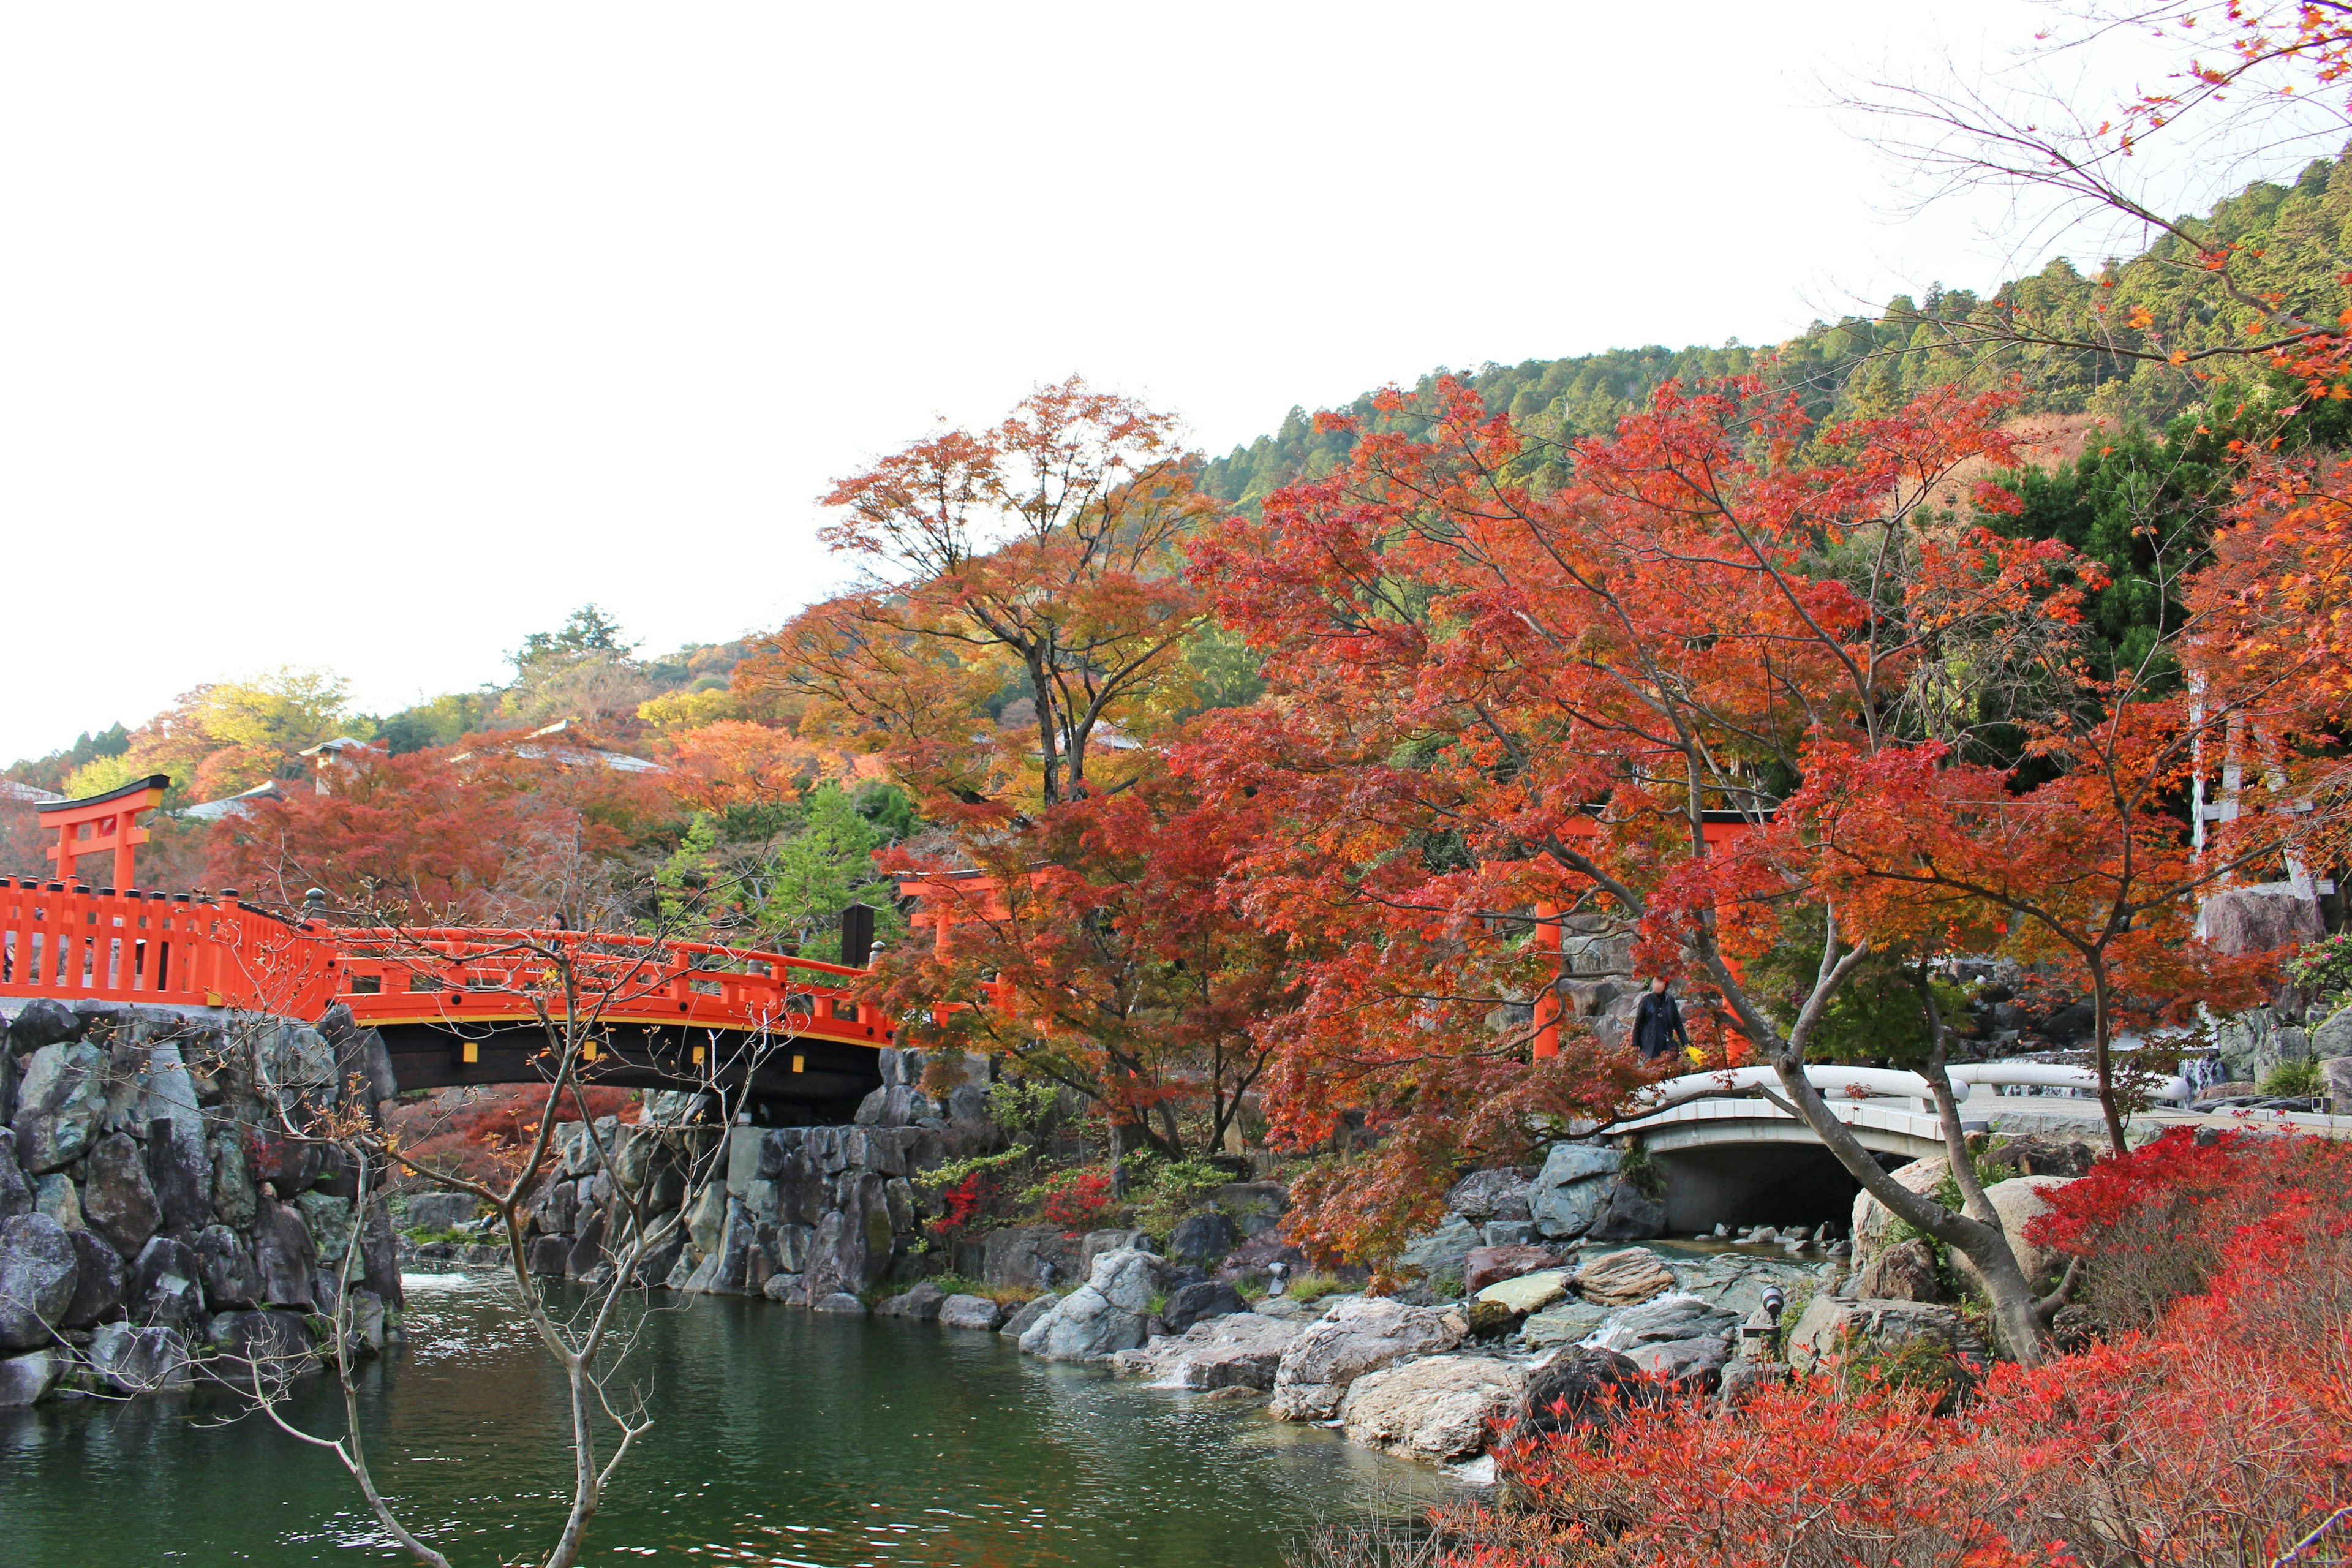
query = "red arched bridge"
x=454 y=1006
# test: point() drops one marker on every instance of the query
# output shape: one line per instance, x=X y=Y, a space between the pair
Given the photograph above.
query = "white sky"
x=375 y=338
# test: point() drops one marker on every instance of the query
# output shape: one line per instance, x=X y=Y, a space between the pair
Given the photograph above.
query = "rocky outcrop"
x=1438 y=1409
x=1360 y=1335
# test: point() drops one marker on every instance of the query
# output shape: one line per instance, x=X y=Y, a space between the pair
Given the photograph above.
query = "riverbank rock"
x=1630 y=1214
x=838 y=1302
x=1445 y=1250
x=1623 y=1279
x=1565 y=1323
x=100 y=1276
x=1360 y=1335
x=117 y=1199
x=27 y=1379
x=1490 y=1265
x=1572 y=1189
x=1203 y=1239
x=139 y=1361
x=1241 y=1351
x=1255 y=1208
x=1737 y=1282
x=268 y=1342
x=1832 y=1327
x=1437 y=1409
x=38 y=1274
x=1024 y=1317
x=1104 y=1316
x=970 y=1312
x=1254 y=1259
x=58 y=1103
x=447 y=1211
x=921 y=1303
x=1678 y=1337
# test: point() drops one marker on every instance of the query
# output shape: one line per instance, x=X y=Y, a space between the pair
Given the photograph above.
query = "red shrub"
x=1080 y=1200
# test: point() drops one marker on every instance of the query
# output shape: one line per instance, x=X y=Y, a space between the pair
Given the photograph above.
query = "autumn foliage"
x=2222 y=1433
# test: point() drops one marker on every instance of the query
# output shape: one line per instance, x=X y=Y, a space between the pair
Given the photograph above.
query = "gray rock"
x=140 y=1359
x=1509 y=1232
x=1026 y=1315
x=58 y=1105
x=1573 y=1188
x=329 y=1221
x=15 y=1189
x=1904 y=1272
x=1437 y=1409
x=2260 y=918
x=2336 y=1071
x=1442 y=1251
x=839 y=1302
x=1085 y=1326
x=1579 y=1386
x=44 y=1021
x=1831 y=1327
x=1696 y=1364
x=1240 y=1351
x=1360 y=1335
x=1025 y=1256
x=284 y=1255
x=166 y=1283
x=1255 y=1208
x=1565 y=1323
x=447 y=1211
x=2018 y=1202
x=1099 y=1242
x=1737 y=1282
x=27 y=1379
x=970 y=1312
x=2330 y=1041
x=179 y=1168
x=921 y=1303
x=550 y=1256
x=1128 y=1278
x=251 y=1344
x=367 y=1321
x=588 y=1249
x=1203 y=1239
x=230 y=1278
x=791 y=1290
x=1627 y=1217
x=1669 y=1318
x=235 y=1198
x=99 y=1278
x=1743 y=1380
x=1191 y=1304
x=38 y=1272
x=55 y=1197
x=118 y=1202
x=1496 y=1194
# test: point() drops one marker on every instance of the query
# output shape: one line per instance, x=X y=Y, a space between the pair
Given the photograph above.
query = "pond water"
x=781 y=1437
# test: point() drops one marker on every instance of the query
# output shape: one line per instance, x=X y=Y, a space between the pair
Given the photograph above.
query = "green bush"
x=2302 y=1078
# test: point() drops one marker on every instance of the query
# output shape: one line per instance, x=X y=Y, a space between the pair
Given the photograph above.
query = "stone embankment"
x=158 y=1223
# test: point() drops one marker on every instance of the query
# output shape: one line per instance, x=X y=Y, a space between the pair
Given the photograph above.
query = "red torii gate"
x=1715 y=827
x=98 y=824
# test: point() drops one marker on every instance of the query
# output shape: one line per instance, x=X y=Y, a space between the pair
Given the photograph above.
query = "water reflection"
x=780 y=1437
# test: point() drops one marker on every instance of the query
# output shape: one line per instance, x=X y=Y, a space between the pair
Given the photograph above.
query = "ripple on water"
x=779 y=1437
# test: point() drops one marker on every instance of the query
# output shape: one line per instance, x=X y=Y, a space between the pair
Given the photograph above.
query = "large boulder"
x=1630 y=1214
x=1621 y=1278
x=38 y=1272
x=1873 y=1224
x=179 y=1169
x=15 y=1189
x=970 y=1312
x=2260 y=918
x=1107 y=1314
x=1437 y=1409
x=117 y=1199
x=27 y=1379
x=1490 y=1265
x=140 y=1359
x=1203 y=1239
x=1242 y=1350
x=56 y=1195
x=250 y=1345
x=329 y=1220
x=236 y=1199
x=1257 y=1257
x=1198 y=1302
x=1676 y=1337
x=166 y=1284
x=447 y=1211
x=1121 y=1239
x=1484 y=1195
x=1572 y=1189
x=285 y=1256
x=922 y=1303
x=1832 y=1328
x=1737 y=1282
x=1028 y=1314
x=231 y=1279
x=1360 y=1335
x=1903 y=1272
x=1030 y=1257
x=1563 y=1323
x=2017 y=1200
x=102 y=1280
x=1525 y=1293
x=1581 y=1386
x=1255 y=1207
x=44 y=1021
x=1445 y=1250
x=58 y=1105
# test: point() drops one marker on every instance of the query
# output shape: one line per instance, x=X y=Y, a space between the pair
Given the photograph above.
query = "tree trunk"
x=2103 y=1054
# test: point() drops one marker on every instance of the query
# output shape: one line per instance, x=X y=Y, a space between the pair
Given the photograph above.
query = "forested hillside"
x=2293 y=241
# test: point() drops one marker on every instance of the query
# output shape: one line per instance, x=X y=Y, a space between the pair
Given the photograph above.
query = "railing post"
x=1548 y=1005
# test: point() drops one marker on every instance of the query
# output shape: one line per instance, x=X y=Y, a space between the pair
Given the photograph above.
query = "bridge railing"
x=71 y=943
x=1883 y=1083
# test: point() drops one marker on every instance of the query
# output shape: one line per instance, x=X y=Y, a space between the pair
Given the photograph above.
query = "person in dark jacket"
x=1658 y=1022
